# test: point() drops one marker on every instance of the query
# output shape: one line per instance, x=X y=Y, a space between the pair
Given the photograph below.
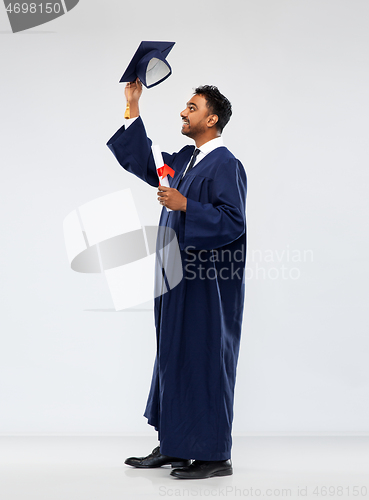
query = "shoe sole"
x=218 y=473
x=225 y=472
x=172 y=464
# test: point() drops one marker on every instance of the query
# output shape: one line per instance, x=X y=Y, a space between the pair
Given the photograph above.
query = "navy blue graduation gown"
x=198 y=323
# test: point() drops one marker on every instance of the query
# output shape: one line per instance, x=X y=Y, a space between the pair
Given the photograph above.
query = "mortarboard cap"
x=149 y=64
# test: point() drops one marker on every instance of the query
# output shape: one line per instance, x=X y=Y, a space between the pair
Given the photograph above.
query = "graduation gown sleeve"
x=222 y=220
x=132 y=149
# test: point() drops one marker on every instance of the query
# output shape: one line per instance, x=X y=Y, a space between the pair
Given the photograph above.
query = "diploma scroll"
x=162 y=169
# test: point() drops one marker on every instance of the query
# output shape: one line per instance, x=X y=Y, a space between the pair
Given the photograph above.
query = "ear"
x=212 y=120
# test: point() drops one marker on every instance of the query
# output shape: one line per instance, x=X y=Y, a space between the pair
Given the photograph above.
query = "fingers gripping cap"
x=149 y=64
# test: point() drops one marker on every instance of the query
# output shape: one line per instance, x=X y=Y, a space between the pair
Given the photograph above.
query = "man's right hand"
x=133 y=92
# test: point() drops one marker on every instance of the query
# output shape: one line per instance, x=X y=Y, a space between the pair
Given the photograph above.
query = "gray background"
x=297 y=75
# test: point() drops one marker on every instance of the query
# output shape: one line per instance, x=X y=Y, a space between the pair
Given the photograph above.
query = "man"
x=198 y=322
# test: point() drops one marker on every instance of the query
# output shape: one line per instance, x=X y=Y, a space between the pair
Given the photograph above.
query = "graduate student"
x=198 y=322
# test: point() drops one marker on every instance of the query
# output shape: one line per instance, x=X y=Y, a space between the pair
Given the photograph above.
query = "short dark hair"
x=217 y=103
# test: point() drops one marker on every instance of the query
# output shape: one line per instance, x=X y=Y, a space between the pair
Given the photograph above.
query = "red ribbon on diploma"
x=165 y=170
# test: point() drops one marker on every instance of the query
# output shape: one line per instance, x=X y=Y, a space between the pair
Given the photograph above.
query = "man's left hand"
x=172 y=198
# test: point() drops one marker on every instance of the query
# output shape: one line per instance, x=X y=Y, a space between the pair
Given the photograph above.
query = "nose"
x=183 y=113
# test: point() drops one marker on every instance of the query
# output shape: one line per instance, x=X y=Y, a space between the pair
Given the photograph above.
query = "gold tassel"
x=127 y=114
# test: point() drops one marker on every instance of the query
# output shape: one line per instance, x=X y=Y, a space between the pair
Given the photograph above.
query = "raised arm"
x=133 y=92
x=130 y=145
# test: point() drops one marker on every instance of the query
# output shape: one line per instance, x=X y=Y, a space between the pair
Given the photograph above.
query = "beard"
x=192 y=131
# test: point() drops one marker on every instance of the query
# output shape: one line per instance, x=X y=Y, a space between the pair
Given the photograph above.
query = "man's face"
x=195 y=117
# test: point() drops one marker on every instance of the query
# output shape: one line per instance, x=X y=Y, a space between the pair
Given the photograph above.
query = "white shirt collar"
x=211 y=145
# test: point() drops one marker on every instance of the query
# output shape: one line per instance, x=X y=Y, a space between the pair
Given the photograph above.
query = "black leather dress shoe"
x=202 y=470
x=156 y=459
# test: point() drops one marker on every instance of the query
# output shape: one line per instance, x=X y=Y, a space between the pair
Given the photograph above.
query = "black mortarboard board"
x=149 y=64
